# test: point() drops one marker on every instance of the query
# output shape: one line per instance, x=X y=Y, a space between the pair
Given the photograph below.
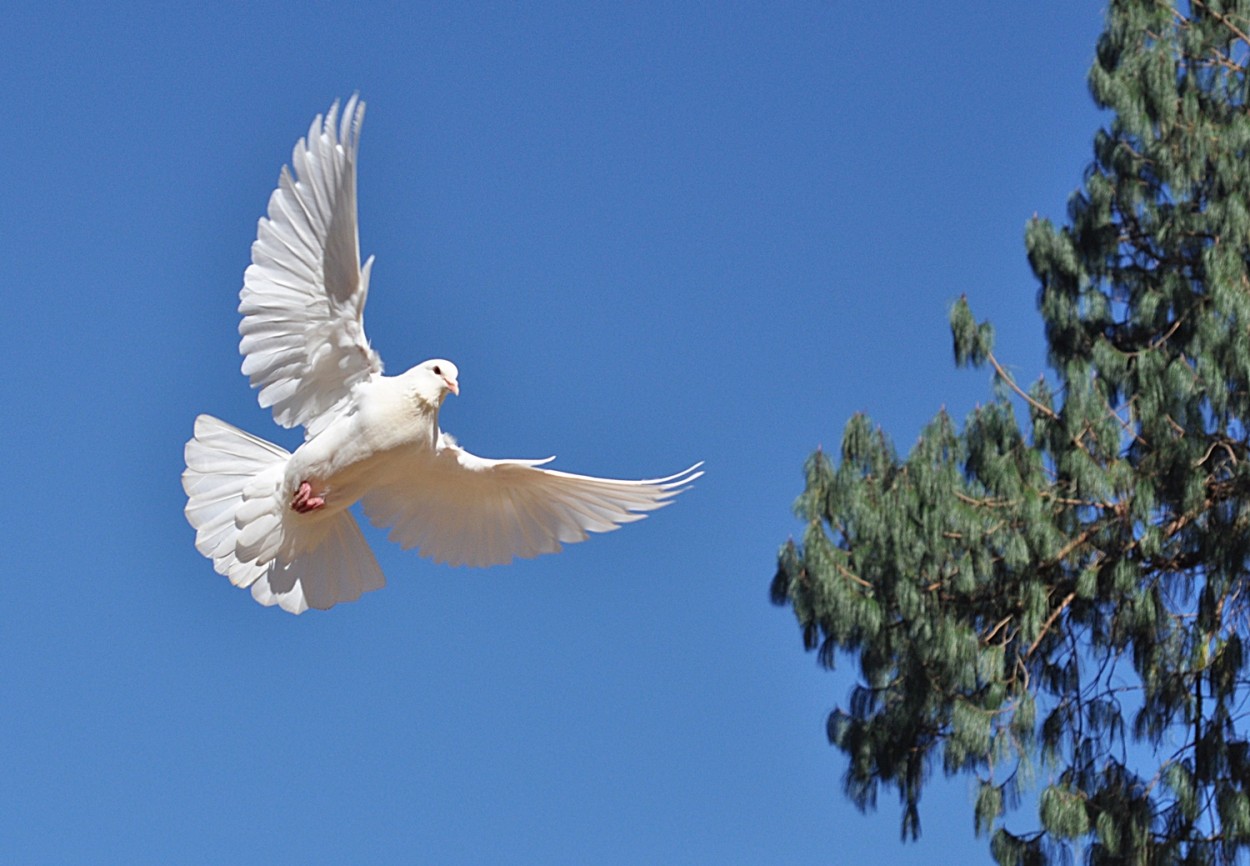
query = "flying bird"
x=280 y=522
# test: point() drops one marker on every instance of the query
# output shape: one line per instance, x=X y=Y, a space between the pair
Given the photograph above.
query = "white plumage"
x=279 y=522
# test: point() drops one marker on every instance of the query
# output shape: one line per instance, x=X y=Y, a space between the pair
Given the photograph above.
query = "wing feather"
x=303 y=297
x=462 y=509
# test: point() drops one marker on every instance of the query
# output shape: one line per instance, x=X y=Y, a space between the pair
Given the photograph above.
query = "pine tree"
x=1061 y=604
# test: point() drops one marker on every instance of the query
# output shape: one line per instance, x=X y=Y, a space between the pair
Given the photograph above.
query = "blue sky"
x=647 y=234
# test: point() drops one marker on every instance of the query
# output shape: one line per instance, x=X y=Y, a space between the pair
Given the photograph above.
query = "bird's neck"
x=422 y=399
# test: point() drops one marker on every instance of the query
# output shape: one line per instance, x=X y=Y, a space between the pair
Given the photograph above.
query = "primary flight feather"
x=279 y=522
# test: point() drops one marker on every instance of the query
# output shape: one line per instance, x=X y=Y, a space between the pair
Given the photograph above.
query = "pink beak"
x=452 y=385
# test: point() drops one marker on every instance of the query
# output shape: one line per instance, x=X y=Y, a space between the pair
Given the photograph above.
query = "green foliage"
x=1060 y=587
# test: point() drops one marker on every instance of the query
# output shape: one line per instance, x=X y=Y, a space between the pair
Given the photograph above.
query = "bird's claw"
x=303 y=501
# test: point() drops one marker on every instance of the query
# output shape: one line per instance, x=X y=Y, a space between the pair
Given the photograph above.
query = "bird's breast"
x=362 y=451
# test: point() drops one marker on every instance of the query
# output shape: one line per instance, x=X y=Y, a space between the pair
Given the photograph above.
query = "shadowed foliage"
x=1060 y=603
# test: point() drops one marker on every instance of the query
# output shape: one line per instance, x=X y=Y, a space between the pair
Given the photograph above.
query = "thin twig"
x=1050 y=620
x=851 y=575
x=1002 y=622
x=1224 y=19
x=1011 y=383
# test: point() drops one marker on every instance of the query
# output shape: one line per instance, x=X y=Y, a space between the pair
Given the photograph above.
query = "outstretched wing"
x=303 y=297
x=466 y=510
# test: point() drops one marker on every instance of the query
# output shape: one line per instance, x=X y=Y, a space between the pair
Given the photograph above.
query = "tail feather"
x=339 y=569
x=234 y=484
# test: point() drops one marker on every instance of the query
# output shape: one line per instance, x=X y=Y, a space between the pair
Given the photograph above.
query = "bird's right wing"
x=303 y=297
x=467 y=510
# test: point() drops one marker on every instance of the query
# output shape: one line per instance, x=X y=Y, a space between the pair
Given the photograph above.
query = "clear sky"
x=647 y=234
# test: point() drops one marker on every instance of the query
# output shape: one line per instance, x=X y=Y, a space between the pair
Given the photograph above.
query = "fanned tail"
x=235 y=502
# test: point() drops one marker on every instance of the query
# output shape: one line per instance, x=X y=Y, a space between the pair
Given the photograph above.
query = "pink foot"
x=303 y=501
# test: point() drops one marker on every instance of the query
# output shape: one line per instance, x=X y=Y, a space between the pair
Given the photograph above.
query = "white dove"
x=281 y=522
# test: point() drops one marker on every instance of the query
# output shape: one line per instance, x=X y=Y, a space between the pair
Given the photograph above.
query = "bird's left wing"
x=467 y=510
x=303 y=297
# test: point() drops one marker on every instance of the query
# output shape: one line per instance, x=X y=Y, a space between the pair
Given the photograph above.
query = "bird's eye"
x=437 y=371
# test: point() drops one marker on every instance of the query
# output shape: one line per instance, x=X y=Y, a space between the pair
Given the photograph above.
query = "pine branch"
x=1223 y=19
x=1011 y=383
x=1050 y=620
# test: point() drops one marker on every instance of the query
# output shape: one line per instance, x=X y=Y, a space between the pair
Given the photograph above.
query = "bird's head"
x=433 y=379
